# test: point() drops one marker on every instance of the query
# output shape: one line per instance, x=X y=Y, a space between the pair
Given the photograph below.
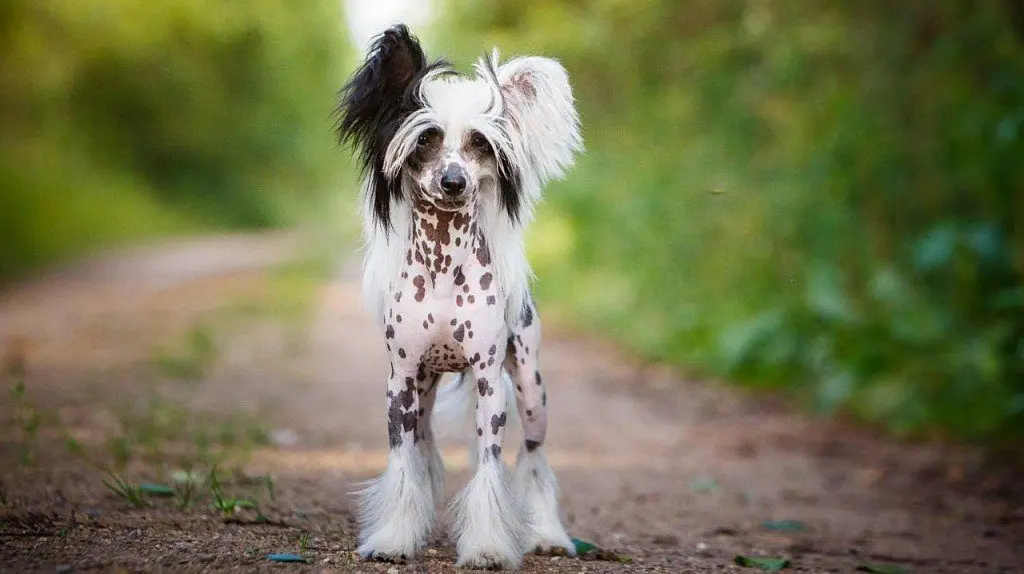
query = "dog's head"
x=451 y=140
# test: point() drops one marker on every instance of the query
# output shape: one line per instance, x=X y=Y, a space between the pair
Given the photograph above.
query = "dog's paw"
x=487 y=561
x=392 y=557
x=554 y=548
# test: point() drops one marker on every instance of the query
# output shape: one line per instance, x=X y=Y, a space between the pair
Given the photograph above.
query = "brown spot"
x=484 y=387
x=531 y=445
x=471 y=299
x=527 y=314
x=430 y=317
x=492 y=350
x=389 y=333
x=483 y=255
x=398 y=297
x=407 y=395
x=425 y=326
x=401 y=352
x=491 y=300
x=497 y=422
x=458 y=300
x=398 y=318
x=459 y=333
x=394 y=422
x=485 y=281
x=421 y=290
x=495 y=451
x=453 y=322
x=479 y=431
x=536 y=375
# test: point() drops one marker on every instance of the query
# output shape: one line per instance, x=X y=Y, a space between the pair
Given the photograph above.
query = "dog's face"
x=451 y=166
x=453 y=140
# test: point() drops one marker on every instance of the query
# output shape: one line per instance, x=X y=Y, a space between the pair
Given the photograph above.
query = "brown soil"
x=675 y=474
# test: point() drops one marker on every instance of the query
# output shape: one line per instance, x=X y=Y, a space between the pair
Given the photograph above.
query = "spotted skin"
x=522 y=364
x=446 y=296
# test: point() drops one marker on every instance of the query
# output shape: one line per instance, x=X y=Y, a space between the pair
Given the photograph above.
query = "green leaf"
x=882 y=569
x=769 y=564
x=286 y=557
x=826 y=297
x=582 y=547
x=703 y=484
x=155 y=489
x=785 y=525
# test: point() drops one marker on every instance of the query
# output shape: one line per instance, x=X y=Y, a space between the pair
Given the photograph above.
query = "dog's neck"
x=442 y=243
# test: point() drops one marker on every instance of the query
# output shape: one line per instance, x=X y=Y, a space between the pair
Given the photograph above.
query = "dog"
x=453 y=166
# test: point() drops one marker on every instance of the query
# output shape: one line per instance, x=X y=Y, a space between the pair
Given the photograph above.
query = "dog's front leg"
x=489 y=520
x=396 y=510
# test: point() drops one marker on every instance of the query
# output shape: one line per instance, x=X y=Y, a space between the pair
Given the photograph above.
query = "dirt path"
x=676 y=475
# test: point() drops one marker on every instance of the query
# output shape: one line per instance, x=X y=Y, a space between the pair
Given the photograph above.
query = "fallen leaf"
x=703 y=484
x=155 y=489
x=769 y=564
x=285 y=557
x=582 y=547
x=882 y=569
x=786 y=525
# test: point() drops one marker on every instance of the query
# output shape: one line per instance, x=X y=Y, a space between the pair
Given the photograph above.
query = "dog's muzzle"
x=453 y=181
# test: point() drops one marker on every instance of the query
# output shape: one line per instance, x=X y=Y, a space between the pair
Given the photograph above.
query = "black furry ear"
x=374 y=103
x=509 y=186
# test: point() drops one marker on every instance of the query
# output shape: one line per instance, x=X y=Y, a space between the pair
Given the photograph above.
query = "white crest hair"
x=525 y=110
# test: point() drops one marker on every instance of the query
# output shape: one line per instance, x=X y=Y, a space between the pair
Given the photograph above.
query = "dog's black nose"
x=453 y=180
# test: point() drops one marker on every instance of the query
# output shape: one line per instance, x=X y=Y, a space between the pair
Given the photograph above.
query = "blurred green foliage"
x=818 y=196
x=124 y=119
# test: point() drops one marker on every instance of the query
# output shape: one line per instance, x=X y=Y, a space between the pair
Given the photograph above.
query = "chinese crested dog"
x=453 y=167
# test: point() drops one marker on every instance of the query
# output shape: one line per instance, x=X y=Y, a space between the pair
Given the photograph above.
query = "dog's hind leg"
x=396 y=510
x=435 y=466
x=534 y=480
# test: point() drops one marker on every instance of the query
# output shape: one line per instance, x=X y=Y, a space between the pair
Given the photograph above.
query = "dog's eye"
x=426 y=138
x=478 y=141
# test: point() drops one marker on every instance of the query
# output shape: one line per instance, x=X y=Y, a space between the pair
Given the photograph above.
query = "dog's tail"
x=456 y=404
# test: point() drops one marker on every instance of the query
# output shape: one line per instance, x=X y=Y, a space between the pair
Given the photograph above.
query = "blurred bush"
x=818 y=196
x=122 y=118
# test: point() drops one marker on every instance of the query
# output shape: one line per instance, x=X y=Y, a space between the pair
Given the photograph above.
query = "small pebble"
x=701 y=547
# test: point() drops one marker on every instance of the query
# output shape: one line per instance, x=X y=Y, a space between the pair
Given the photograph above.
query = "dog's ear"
x=373 y=104
x=541 y=112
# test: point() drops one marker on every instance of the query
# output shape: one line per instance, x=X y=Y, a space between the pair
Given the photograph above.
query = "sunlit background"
x=782 y=290
x=821 y=197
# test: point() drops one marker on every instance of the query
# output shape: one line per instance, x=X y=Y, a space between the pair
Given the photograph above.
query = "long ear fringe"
x=541 y=110
x=371 y=107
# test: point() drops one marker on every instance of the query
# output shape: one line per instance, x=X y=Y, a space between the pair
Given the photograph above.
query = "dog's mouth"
x=448 y=203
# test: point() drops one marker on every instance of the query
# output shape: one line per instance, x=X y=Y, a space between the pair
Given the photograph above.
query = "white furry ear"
x=541 y=113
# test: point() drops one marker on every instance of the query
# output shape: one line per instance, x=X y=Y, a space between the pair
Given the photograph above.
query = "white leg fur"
x=536 y=486
x=396 y=510
x=489 y=521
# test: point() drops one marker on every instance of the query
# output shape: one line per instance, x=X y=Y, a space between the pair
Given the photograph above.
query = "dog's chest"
x=445 y=309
